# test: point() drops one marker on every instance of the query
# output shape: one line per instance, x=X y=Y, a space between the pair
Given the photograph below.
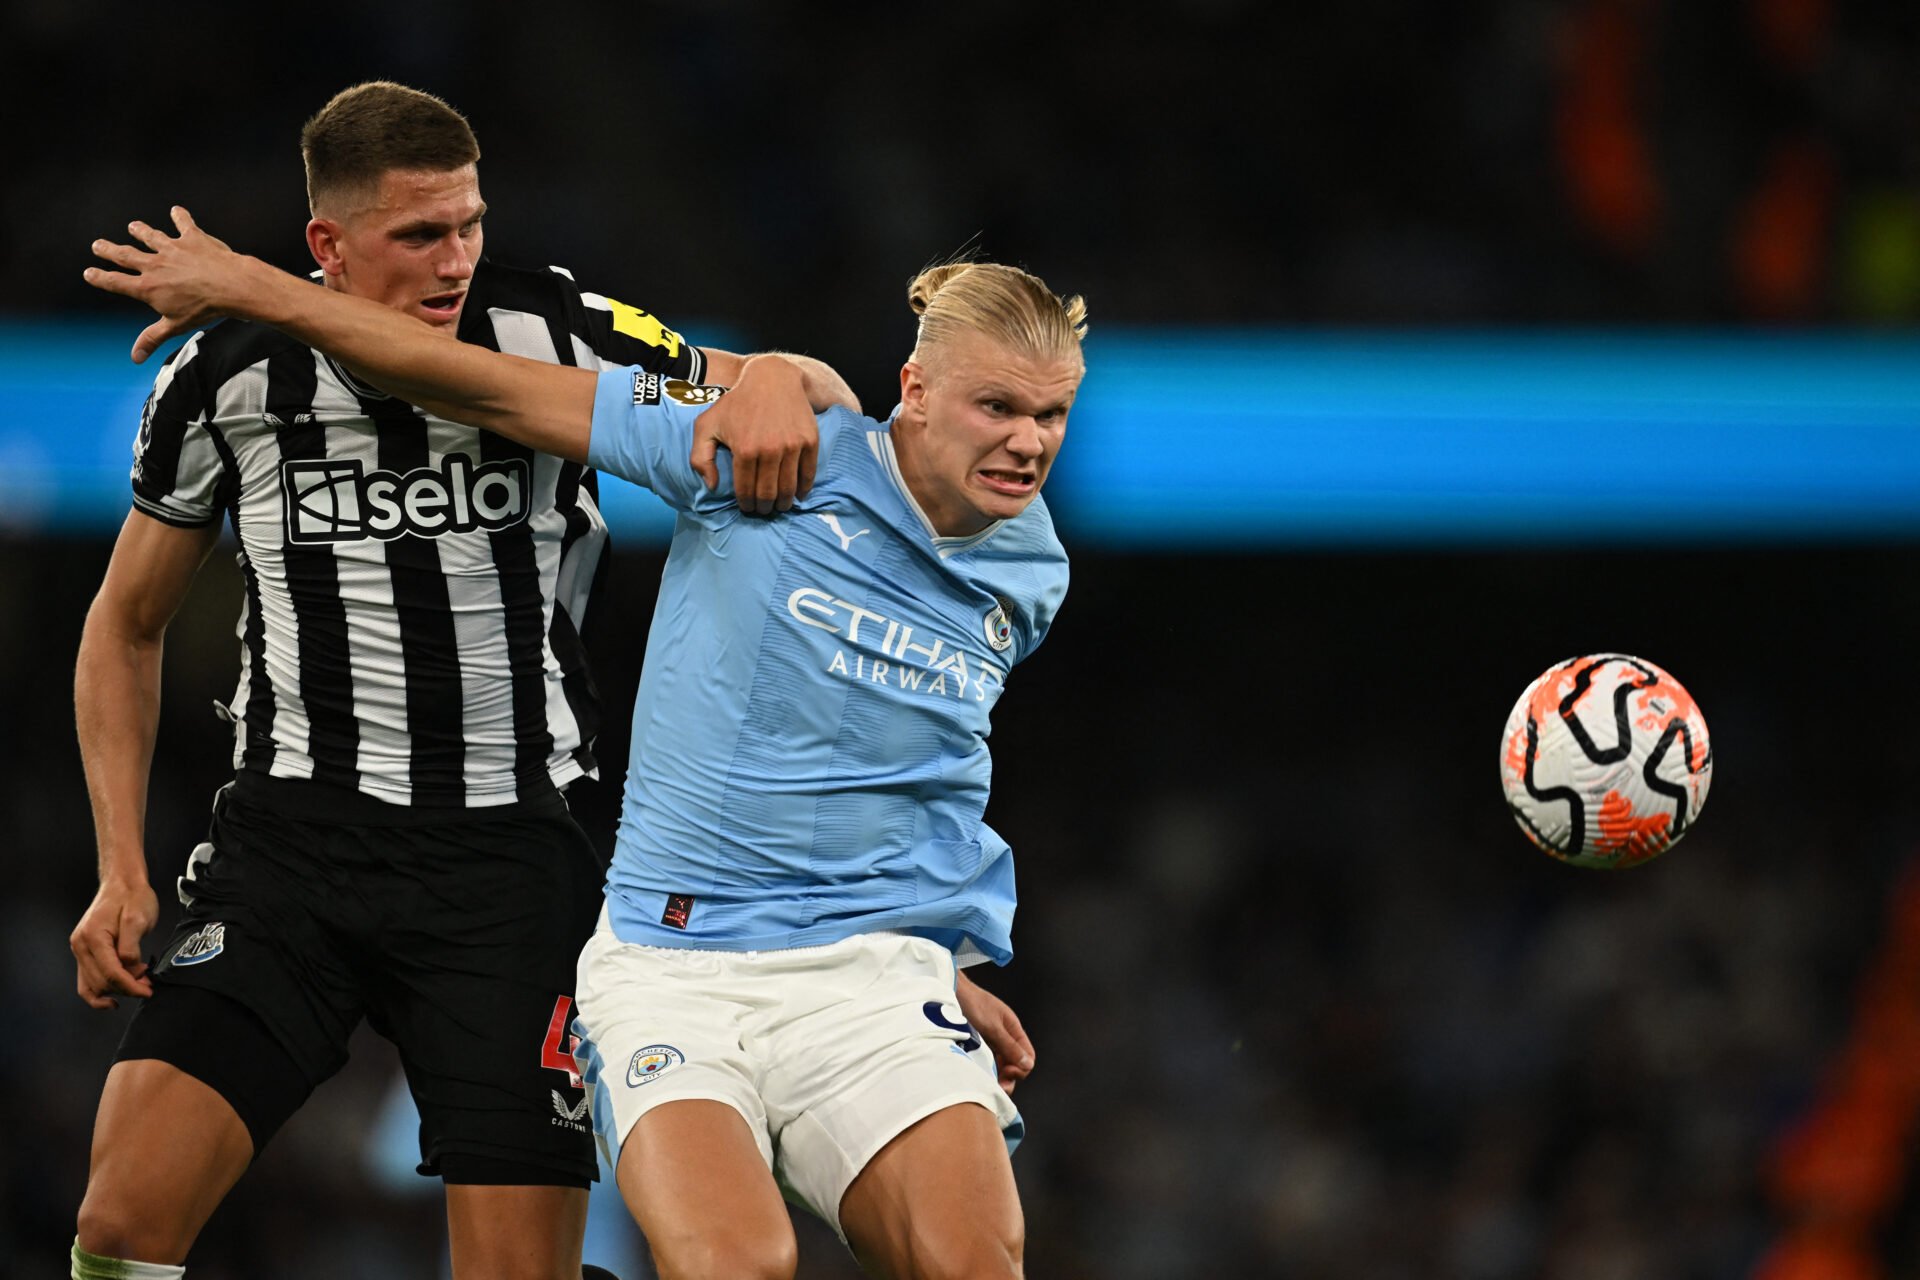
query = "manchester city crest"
x=999 y=625
x=650 y=1062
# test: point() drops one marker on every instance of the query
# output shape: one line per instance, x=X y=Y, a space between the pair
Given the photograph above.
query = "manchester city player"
x=768 y=1004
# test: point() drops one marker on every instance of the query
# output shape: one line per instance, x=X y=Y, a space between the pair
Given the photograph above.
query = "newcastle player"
x=413 y=698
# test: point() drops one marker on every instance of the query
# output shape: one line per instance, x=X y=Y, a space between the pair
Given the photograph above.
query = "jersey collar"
x=353 y=384
x=881 y=442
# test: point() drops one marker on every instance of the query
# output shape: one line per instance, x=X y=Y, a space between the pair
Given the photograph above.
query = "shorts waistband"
x=311 y=801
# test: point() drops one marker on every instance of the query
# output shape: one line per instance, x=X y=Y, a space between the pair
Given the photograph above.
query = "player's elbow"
x=559 y=435
x=543 y=407
x=121 y=621
x=543 y=431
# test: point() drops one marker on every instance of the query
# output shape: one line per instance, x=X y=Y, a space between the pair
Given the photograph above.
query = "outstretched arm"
x=194 y=277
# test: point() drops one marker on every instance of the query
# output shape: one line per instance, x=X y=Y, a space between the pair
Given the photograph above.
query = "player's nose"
x=456 y=262
x=1024 y=439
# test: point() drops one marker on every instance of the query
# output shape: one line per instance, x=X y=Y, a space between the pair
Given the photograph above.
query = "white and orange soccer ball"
x=1605 y=761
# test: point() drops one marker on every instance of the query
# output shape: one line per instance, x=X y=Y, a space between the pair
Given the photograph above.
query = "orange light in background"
x=1602 y=144
x=1836 y=1173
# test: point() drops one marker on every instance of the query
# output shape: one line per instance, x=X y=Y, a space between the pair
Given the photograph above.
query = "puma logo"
x=846 y=539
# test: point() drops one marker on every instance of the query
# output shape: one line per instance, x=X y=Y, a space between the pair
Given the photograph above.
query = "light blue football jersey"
x=810 y=735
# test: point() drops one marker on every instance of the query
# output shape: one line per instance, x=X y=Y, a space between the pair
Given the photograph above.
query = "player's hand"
x=186 y=278
x=997 y=1024
x=106 y=943
x=767 y=424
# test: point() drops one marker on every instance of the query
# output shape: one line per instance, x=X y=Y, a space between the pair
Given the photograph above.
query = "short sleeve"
x=643 y=432
x=179 y=476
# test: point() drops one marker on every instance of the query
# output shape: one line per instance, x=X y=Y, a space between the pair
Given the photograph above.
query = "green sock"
x=91 y=1266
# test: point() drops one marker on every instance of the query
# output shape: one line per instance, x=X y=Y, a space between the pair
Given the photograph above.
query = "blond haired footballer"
x=768 y=1005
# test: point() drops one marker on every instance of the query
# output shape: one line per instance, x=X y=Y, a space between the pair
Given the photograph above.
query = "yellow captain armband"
x=644 y=326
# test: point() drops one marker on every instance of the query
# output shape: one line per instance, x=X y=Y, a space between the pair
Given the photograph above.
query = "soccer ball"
x=1605 y=761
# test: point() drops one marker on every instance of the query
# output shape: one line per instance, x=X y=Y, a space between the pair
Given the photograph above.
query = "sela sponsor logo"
x=203 y=945
x=339 y=500
x=933 y=666
x=650 y=1063
x=569 y=1117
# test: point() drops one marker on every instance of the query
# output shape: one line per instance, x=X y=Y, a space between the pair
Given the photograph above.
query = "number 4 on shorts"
x=551 y=1054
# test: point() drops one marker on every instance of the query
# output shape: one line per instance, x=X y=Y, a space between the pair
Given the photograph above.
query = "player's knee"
x=985 y=1255
x=993 y=1264
x=728 y=1256
x=110 y=1226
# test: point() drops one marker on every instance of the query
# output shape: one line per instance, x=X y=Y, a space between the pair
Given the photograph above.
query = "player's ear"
x=323 y=242
x=913 y=390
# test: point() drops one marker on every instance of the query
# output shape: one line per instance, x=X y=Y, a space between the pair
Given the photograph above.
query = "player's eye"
x=995 y=406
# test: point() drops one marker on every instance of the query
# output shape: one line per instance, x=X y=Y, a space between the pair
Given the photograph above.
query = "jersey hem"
x=311 y=801
x=968 y=948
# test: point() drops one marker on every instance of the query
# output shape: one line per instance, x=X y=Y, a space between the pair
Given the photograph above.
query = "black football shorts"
x=455 y=937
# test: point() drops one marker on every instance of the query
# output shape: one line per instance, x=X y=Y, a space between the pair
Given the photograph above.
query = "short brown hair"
x=371 y=128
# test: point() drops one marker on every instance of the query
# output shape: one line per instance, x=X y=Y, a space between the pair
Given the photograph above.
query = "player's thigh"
x=515 y=1232
x=166 y=1150
x=476 y=991
x=695 y=1179
x=851 y=1074
x=199 y=1086
x=938 y=1200
x=677 y=1108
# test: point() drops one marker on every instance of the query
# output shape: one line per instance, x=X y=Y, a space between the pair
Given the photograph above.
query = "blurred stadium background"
x=1432 y=344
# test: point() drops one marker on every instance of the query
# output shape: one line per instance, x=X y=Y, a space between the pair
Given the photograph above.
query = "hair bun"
x=921 y=288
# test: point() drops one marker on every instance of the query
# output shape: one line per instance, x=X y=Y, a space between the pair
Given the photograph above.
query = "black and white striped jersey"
x=414 y=587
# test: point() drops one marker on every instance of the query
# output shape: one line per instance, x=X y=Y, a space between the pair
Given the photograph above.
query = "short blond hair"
x=1013 y=307
x=365 y=131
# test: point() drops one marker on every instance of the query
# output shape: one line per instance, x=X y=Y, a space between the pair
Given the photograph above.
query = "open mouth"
x=1016 y=483
x=443 y=304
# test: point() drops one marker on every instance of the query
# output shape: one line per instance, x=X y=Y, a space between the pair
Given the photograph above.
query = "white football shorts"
x=827 y=1052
